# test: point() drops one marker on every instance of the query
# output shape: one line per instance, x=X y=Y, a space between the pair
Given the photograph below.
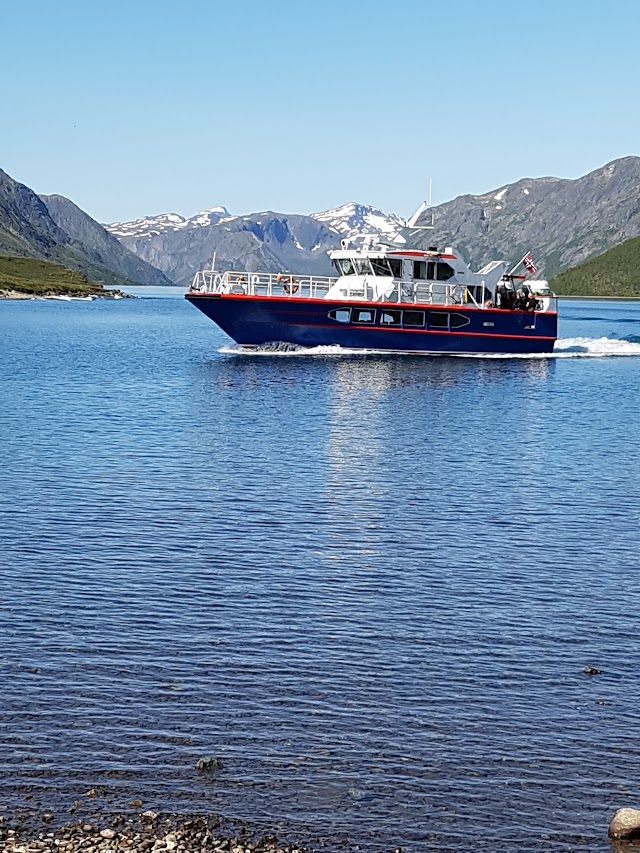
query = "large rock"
x=625 y=824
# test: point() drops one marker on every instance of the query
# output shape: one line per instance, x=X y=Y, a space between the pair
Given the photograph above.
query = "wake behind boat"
x=385 y=297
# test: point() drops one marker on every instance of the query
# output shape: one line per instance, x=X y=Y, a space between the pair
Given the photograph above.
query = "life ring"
x=290 y=286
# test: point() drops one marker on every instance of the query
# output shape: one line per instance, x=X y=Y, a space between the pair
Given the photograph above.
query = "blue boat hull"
x=256 y=320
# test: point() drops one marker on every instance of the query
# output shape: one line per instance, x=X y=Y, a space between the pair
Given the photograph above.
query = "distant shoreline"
x=22 y=296
x=603 y=298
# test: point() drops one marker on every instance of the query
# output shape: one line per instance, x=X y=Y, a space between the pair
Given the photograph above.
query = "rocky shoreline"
x=142 y=832
x=64 y=297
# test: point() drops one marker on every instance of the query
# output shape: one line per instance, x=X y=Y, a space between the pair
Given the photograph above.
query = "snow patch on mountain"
x=353 y=219
x=349 y=221
x=151 y=226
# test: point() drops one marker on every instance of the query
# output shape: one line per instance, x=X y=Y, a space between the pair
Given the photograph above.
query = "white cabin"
x=381 y=273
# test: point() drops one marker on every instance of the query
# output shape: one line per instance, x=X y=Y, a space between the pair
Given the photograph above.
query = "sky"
x=137 y=108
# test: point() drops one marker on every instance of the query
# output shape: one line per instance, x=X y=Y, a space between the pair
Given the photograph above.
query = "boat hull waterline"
x=255 y=321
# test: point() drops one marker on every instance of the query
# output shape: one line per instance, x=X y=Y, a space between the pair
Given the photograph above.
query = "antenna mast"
x=410 y=224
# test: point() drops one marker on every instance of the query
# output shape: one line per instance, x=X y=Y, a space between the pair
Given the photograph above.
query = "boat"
x=387 y=297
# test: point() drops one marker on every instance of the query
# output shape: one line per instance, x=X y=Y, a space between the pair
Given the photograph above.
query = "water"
x=369 y=584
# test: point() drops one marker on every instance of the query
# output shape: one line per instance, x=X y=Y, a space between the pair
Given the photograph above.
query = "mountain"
x=98 y=244
x=274 y=242
x=614 y=273
x=28 y=230
x=149 y=226
x=263 y=241
x=353 y=219
x=563 y=222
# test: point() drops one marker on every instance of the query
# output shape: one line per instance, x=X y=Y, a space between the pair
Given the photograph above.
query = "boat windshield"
x=354 y=266
x=381 y=266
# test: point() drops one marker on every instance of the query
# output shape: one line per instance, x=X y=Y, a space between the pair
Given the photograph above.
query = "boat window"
x=363 y=315
x=431 y=270
x=396 y=267
x=381 y=266
x=473 y=292
x=346 y=266
x=363 y=267
x=479 y=293
x=414 y=318
x=458 y=320
x=445 y=272
x=342 y=315
x=420 y=269
x=438 y=320
x=390 y=317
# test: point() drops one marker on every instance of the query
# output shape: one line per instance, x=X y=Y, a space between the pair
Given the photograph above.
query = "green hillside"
x=27 y=230
x=43 y=278
x=615 y=273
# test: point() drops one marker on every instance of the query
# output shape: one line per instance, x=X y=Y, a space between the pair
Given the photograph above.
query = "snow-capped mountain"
x=271 y=241
x=353 y=219
x=148 y=226
x=349 y=220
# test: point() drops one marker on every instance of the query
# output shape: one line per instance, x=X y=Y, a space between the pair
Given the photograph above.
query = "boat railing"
x=432 y=293
x=262 y=284
x=437 y=294
x=317 y=287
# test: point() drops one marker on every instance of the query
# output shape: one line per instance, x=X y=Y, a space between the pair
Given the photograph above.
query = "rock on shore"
x=625 y=825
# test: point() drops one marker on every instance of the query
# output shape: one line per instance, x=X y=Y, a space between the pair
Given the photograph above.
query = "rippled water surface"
x=368 y=584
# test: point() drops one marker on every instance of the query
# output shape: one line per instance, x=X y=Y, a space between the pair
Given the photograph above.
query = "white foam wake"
x=595 y=347
x=564 y=348
x=293 y=349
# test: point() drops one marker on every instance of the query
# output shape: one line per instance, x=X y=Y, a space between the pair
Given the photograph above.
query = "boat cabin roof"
x=380 y=252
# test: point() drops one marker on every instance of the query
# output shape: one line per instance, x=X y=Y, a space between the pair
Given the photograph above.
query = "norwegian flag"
x=529 y=264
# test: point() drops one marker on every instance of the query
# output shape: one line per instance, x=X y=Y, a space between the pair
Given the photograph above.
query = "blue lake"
x=369 y=585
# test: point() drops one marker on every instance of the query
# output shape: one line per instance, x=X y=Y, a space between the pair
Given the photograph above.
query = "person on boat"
x=505 y=295
x=532 y=301
x=487 y=300
x=520 y=300
x=525 y=300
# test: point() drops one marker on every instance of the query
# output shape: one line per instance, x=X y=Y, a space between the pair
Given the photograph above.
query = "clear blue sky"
x=134 y=108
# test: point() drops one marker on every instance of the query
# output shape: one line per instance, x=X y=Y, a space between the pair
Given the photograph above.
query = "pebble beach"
x=140 y=833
